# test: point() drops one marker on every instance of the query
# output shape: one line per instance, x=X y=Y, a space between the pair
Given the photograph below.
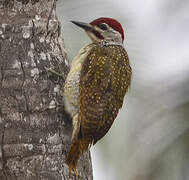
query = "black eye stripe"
x=103 y=26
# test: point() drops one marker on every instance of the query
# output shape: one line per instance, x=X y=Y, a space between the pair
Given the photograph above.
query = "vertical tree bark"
x=35 y=132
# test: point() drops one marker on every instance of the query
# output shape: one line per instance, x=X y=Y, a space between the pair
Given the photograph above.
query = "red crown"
x=111 y=22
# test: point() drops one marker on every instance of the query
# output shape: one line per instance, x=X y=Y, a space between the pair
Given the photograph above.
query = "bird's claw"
x=74 y=169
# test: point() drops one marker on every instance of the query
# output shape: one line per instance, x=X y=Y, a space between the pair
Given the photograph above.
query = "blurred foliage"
x=150 y=137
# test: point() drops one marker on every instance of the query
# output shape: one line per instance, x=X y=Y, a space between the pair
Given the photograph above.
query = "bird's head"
x=103 y=28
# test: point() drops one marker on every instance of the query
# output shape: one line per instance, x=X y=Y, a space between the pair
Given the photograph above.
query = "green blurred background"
x=150 y=138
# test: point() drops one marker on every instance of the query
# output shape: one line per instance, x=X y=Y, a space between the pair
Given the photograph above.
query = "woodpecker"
x=95 y=87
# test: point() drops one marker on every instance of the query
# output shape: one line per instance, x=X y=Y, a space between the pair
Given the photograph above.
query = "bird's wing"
x=104 y=80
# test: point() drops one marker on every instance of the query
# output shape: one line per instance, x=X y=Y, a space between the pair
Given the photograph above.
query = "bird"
x=99 y=77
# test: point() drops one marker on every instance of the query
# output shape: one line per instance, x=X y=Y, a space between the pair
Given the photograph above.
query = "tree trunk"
x=35 y=132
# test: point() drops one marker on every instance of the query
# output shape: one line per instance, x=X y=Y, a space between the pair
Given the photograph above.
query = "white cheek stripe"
x=115 y=39
x=106 y=43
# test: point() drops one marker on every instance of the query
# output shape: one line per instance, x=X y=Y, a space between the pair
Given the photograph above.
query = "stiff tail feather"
x=77 y=148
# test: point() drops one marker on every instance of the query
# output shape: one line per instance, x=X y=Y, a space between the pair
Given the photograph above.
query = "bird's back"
x=104 y=79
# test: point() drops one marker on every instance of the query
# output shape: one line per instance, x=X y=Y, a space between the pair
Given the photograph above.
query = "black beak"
x=84 y=26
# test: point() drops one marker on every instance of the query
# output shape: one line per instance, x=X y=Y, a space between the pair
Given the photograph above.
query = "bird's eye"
x=103 y=26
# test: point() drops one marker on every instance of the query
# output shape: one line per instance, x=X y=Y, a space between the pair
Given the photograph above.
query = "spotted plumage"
x=104 y=80
x=96 y=85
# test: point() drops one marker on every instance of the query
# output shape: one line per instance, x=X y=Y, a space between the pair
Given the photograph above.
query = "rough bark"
x=35 y=132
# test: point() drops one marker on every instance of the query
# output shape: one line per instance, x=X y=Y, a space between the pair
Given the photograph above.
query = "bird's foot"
x=74 y=169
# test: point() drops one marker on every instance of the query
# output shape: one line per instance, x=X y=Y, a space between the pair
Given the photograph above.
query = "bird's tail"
x=76 y=149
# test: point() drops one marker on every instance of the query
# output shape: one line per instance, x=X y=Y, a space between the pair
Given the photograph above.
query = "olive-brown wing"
x=102 y=89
